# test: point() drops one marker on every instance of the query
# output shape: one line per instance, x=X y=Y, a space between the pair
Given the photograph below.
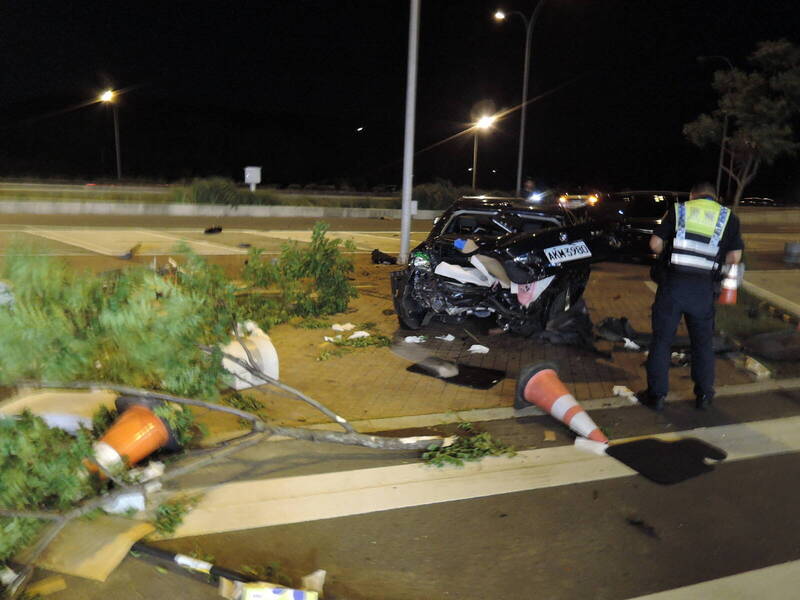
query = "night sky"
x=213 y=86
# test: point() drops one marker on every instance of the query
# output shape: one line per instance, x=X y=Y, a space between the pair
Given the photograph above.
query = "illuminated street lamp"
x=529 y=23
x=107 y=97
x=482 y=124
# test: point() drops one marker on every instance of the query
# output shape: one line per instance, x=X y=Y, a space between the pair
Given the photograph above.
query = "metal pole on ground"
x=408 y=146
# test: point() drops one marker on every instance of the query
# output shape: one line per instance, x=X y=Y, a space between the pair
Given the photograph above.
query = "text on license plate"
x=567 y=252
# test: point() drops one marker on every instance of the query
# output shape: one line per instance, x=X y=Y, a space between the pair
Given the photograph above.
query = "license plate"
x=567 y=252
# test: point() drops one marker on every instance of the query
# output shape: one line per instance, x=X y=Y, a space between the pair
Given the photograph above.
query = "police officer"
x=693 y=242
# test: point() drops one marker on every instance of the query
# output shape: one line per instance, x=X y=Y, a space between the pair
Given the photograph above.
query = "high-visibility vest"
x=699 y=225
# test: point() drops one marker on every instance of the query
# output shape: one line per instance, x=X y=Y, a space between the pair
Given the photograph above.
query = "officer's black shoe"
x=703 y=402
x=651 y=400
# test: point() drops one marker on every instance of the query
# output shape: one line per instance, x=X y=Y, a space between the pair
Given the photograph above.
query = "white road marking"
x=268 y=502
x=777 y=581
x=198 y=243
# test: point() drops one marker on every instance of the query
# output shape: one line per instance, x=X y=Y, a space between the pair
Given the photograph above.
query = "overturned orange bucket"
x=136 y=434
x=541 y=386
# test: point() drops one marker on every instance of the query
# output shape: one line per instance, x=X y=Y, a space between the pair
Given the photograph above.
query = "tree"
x=761 y=106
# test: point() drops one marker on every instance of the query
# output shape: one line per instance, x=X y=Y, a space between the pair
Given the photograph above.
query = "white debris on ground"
x=358 y=335
x=625 y=392
x=334 y=339
x=314 y=582
x=414 y=339
x=120 y=505
x=590 y=446
x=345 y=327
x=447 y=338
x=478 y=349
x=631 y=345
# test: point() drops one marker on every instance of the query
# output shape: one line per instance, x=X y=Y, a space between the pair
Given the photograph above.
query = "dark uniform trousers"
x=693 y=297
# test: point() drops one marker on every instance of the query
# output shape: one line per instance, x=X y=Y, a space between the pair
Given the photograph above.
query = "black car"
x=637 y=213
x=509 y=259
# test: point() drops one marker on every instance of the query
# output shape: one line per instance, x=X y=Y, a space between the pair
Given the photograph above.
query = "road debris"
x=381 y=258
x=212 y=230
x=344 y=327
x=415 y=339
x=46 y=586
x=478 y=349
x=446 y=338
x=665 y=462
x=625 y=392
x=358 y=335
x=590 y=446
x=642 y=526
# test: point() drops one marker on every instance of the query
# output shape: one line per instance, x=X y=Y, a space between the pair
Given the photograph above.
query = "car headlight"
x=420 y=260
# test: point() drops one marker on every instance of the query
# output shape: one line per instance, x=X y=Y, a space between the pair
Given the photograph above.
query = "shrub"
x=440 y=194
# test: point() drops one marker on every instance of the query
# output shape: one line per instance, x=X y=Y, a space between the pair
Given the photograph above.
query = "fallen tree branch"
x=260 y=431
x=286 y=388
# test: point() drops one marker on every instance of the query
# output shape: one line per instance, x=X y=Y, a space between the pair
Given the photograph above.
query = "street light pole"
x=116 y=141
x=529 y=24
x=408 y=144
x=108 y=97
x=484 y=123
x=475 y=160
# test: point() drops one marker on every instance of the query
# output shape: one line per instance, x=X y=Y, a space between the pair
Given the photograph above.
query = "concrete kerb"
x=45 y=207
x=773 y=298
x=500 y=413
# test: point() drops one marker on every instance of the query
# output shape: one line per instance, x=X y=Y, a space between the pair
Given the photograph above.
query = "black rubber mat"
x=477 y=378
x=667 y=463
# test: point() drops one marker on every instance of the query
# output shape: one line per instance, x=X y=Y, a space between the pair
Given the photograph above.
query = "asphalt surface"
x=617 y=538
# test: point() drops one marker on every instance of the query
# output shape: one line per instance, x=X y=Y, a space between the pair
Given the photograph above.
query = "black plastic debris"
x=381 y=258
x=131 y=253
x=776 y=345
x=212 y=230
x=667 y=463
x=478 y=378
x=244 y=245
x=571 y=327
x=619 y=330
x=643 y=526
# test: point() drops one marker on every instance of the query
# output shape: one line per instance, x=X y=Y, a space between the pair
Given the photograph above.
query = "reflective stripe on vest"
x=699 y=227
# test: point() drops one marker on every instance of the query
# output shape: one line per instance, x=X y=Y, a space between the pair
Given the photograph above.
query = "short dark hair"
x=703 y=190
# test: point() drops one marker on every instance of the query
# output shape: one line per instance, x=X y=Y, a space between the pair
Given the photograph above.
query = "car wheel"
x=410 y=314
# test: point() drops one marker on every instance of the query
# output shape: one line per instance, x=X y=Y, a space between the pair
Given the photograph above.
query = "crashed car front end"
x=521 y=279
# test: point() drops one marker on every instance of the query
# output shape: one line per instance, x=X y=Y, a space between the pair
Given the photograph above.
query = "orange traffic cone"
x=540 y=385
x=729 y=286
x=136 y=434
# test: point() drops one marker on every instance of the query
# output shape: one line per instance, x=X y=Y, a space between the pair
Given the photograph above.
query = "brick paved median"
x=373 y=382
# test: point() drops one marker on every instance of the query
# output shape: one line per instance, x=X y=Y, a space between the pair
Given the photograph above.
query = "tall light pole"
x=108 y=97
x=408 y=144
x=529 y=24
x=724 y=122
x=481 y=124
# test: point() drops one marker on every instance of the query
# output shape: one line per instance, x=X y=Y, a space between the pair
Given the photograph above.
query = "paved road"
x=605 y=538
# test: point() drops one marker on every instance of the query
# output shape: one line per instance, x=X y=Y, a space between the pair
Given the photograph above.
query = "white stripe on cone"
x=581 y=423
x=562 y=405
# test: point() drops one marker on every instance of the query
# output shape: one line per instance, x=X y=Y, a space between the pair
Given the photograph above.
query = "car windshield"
x=649 y=204
x=474 y=223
